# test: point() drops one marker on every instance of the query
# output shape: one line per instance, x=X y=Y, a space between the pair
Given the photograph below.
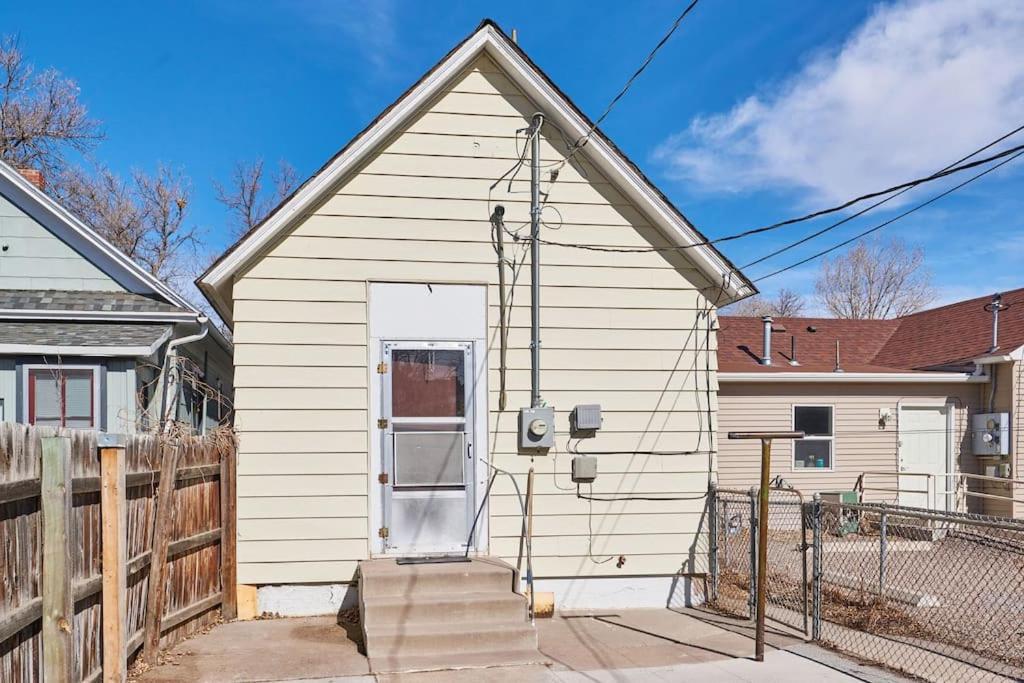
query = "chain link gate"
x=734 y=553
x=938 y=595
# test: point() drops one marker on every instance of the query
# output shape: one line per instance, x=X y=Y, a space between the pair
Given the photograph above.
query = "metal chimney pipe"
x=792 y=351
x=766 y=357
x=839 y=368
x=995 y=307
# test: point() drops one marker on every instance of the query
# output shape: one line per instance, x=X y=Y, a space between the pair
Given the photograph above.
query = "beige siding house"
x=377 y=285
x=889 y=406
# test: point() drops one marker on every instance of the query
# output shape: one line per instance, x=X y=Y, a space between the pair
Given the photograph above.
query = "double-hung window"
x=816 y=449
x=62 y=397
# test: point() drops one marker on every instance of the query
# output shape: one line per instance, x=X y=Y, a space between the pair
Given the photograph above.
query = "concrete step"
x=449 y=640
x=455 y=607
x=469 y=660
x=384 y=577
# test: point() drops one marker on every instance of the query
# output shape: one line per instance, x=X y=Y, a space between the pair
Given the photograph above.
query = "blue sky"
x=755 y=111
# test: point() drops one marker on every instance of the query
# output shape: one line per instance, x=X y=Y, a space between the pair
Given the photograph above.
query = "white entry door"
x=924 y=450
x=427 y=432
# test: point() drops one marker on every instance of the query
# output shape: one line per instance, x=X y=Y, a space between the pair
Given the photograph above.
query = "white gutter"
x=171 y=346
x=89 y=316
x=853 y=377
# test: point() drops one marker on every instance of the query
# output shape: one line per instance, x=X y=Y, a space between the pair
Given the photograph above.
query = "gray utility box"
x=584 y=420
x=991 y=434
x=584 y=469
x=536 y=428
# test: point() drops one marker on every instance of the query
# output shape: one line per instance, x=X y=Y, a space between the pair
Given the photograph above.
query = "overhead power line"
x=579 y=144
x=863 y=211
x=891 y=220
x=948 y=171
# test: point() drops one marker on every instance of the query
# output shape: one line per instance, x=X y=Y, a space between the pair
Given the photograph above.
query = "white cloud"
x=369 y=27
x=915 y=87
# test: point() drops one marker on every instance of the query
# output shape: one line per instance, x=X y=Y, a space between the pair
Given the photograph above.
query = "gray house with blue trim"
x=88 y=338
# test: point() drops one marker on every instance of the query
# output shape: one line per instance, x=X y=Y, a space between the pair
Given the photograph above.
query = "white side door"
x=924 y=449
x=428 y=437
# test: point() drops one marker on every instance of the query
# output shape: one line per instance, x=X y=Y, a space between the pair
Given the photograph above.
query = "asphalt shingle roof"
x=948 y=337
x=80 y=334
x=67 y=300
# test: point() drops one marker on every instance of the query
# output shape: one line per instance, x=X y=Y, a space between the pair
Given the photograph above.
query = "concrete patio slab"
x=614 y=646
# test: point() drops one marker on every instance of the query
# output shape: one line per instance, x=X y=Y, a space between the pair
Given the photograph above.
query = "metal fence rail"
x=937 y=595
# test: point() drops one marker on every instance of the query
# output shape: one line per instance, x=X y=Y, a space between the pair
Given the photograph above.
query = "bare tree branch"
x=786 y=303
x=247 y=199
x=875 y=279
x=145 y=217
x=41 y=119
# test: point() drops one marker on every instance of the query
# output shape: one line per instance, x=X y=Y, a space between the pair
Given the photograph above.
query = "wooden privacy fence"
x=110 y=545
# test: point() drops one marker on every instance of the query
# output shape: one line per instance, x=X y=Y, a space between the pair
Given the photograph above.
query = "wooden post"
x=113 y=506
x=58 y=599
x=762 y=527
x=228 y=534
x=158 y=556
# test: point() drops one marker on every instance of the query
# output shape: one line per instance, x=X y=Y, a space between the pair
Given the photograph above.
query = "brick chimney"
x=34 y=176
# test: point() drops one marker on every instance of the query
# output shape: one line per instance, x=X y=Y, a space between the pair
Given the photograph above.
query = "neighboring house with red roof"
x=890 y=400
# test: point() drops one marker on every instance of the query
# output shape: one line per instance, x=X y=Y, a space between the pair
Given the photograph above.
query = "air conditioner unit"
x=990 y=434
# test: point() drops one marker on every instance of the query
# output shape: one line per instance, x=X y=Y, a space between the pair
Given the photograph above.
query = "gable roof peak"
x=217 y=282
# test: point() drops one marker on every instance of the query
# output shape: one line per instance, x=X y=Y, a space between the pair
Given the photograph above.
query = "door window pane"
x=813 y=420
x=429 y=458
x=428 y=383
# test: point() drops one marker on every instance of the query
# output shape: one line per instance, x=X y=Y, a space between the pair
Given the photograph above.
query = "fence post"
x=713 y=538
x=752 y=596
x=158 y=556
x=114 y=538
x=882 y=550
x=58 y=600
x=816 y=553
x=804 y=508
x=228 y=533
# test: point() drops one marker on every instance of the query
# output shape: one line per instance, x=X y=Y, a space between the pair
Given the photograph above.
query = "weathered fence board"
x=196 y=573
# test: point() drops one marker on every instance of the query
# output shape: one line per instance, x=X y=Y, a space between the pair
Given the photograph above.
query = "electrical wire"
x=579 y=144
x=891 y=220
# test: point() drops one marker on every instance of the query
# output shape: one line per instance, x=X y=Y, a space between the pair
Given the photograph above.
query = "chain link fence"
x=936 y=595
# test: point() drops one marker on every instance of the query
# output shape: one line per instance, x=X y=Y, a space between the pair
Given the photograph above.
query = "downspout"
x=165 y=408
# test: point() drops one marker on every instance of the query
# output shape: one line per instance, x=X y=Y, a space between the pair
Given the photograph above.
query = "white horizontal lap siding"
x=622 y=330
x=860 y=444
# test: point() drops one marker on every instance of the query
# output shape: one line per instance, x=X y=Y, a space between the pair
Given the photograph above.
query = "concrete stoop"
x=425 y=617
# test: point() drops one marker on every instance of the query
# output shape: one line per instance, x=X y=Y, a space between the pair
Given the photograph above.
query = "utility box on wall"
x=990 y=434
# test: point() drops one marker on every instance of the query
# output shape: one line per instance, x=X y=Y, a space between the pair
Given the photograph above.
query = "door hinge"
x=382 y=423
x=383 y=532
x=382 y=477
x=382 y=368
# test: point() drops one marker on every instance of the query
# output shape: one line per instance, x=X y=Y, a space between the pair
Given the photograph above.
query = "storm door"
x=427 y=428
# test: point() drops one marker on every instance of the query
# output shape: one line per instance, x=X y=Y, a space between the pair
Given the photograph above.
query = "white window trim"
x=26 y=371
x=792 y=451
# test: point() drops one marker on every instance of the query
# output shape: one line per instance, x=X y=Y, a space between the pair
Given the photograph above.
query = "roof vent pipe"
x=839 y=368
x=995 y=306
x=766 y=357
x=792 y=351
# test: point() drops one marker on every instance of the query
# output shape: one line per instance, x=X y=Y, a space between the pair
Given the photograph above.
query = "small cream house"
x=887 y=405
x=365 y=312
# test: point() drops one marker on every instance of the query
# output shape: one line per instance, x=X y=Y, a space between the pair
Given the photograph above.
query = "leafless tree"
x=41 y=119
x=145 y=216
x=247 y=198
x=785 y=303
x=875 y=279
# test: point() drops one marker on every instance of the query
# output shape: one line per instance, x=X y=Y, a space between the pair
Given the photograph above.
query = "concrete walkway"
x=620 y=645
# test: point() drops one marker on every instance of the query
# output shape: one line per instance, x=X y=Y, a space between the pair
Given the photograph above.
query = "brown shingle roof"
x=948 y=337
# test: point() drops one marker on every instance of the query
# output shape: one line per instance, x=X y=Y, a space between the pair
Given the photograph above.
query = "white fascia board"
x=1016 y=354
x=853 y=377
x=90 y=316
x=15 y=186
x=534 y=85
